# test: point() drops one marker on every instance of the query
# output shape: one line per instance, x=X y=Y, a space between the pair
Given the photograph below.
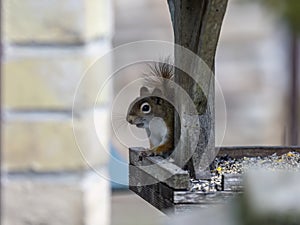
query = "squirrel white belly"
x=158 y=131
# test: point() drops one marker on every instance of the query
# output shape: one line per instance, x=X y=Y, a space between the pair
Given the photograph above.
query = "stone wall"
x=48 y=45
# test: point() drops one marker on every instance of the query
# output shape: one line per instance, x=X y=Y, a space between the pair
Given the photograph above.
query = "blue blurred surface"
x=118 y=170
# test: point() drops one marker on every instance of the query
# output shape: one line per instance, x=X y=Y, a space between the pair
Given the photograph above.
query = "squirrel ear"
x=144 y=91
x=157 y=92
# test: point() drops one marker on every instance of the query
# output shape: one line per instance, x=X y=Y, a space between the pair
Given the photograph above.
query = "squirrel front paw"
x=151 y=152
x=155 y=151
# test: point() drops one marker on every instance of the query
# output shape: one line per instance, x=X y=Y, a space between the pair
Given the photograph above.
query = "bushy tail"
x=161 y=75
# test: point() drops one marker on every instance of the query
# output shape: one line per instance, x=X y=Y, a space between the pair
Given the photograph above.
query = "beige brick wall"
x=56 y=21
x=49 y=46
x=45 y=142
x=69 y=199
x=47 y=77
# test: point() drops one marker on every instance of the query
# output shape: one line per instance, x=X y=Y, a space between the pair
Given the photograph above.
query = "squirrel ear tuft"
x=157 y=92
x=144 y=91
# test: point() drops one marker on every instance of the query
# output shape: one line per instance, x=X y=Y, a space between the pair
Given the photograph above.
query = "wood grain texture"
x=157 y=194
x=254 y=151
x=160 y=169
x=197 y=25
x=233 y=182
x=187 y=197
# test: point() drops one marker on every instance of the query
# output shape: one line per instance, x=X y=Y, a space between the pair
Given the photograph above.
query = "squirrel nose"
x=129 y=119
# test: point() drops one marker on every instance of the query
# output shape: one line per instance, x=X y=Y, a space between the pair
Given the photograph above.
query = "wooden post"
x=293 y=88
x=1 y=17
x=197 y=25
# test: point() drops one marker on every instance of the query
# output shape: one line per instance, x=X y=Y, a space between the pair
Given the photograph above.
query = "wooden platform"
x=166 y=186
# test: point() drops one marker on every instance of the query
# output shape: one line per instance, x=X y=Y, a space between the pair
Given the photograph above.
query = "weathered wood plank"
x=163 y=197
x=234 y=151
x=219 y=197
x=138 y=178
x=168 y=199
x=153 y=198
x=155 y=193
x=160 y=169
x=254 y=151
x=233 y=182
x=196 y=25
x=187 y=208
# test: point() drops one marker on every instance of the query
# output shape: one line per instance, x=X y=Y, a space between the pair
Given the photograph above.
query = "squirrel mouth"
x=140 y=125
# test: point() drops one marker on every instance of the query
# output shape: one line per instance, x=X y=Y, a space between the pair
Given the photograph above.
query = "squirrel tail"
x=161 y=75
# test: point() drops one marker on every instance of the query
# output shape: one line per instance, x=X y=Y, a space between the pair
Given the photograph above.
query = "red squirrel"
x=153 y=112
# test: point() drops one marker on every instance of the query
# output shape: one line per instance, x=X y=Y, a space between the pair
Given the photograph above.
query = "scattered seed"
x=227 y=165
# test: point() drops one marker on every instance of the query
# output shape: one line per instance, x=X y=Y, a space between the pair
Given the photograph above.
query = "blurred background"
x=49 y=45
x=253 y=67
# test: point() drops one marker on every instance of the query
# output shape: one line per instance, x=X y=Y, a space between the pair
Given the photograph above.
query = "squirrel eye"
x=145 y=107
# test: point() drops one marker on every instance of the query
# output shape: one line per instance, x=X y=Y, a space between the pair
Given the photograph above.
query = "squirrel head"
x=149 y=105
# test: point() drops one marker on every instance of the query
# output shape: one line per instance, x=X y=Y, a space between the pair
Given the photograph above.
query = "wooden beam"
x=1 y=51
x=254 y=151
x=197 y=25
x=188 y=197
x=293 y=90
x=160 y=169
x=155 y=193
x=232 y=182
